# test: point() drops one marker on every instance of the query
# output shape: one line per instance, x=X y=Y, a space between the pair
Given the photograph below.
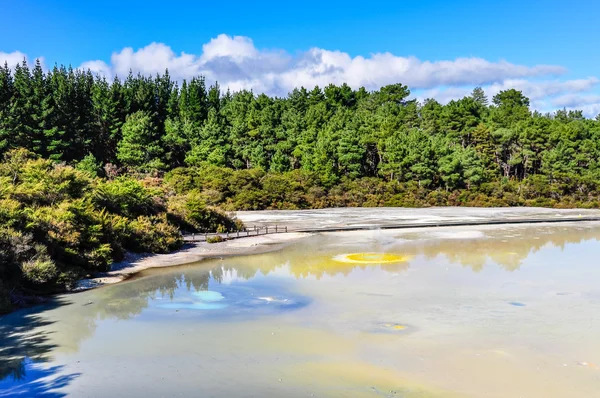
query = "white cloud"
x=537 y=90
x=98 y=67
x=237 y=47
x=17 y=57
x=589 y=104
x=444 y=95
x=588 y=110
x=236 y=63
x=575 y=100
x=544 y=95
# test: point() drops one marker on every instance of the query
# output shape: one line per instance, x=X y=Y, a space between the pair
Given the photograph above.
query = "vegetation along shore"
x=94 y=168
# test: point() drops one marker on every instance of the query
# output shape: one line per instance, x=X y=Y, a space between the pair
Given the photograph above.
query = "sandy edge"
x=190 y=253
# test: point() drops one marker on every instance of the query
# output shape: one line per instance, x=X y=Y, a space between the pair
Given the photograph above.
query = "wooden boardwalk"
x=254 y=231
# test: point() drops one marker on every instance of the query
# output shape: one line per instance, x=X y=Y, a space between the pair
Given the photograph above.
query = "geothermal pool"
x=441 y=312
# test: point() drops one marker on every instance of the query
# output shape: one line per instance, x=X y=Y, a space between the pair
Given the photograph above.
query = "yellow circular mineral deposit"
x=370 y=258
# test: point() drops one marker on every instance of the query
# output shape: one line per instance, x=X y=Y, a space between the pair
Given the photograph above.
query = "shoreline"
x=304 y=223
x=135 y=263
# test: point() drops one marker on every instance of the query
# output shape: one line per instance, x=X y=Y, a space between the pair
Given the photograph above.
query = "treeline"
x=146 y=124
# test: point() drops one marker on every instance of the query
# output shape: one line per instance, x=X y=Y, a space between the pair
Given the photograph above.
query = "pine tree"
x=55 y=145
x=21 y=123
x=6 y=96
x=38 y=114
x=214 y=97
x=211 y=145
x=163 y=93
x=350 y=154
x=479 y=97
x=140 y=148
x=106 y=102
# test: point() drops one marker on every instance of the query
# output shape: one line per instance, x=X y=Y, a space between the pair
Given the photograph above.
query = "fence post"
x=275 y=228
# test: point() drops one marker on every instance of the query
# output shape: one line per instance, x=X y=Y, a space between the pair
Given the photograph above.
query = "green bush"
x=191 y=214
x=215 y=239
x=124 y=196
x=58 y=224
x=153 y=234
x=11 y=212
x=39 y=270
x=90 y=166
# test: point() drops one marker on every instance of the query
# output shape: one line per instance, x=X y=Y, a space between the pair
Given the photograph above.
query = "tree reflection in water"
x=508 y=247
x=24 y=348
x=26 y=342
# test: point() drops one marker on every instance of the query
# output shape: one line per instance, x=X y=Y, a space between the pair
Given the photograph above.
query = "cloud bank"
x=236 y=63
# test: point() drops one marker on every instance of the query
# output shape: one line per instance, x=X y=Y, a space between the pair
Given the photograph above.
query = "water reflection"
x=508 y=247
x=241 y=288
x=235 y=300
x=316 y=256
x=25 y=345
x=27 y=337
x=38 y=381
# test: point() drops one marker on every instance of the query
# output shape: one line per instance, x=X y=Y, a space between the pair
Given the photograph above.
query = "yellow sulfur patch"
x=394 y=326
x=370 y=258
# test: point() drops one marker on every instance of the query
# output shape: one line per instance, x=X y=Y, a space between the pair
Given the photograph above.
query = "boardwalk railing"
x=248 y=231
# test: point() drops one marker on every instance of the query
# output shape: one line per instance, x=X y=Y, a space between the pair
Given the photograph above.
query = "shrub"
x=190 y=213
x=90 y=166
x=124 y=196
x=39 y=270
x=215 y=239
x=10 y=212
x=43 y=183
x=58 y=223
x=15 y=248
x=100 y=257
x=153 y=234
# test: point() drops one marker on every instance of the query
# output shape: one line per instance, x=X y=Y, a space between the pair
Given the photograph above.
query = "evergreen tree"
x=21 y=125
x=139 y=149
x=6 y=96
x=479 y=97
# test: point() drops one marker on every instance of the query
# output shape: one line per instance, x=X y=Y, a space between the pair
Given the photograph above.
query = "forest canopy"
x=147 y=124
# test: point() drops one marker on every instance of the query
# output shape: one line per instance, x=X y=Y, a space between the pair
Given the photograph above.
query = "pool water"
x=441 y=312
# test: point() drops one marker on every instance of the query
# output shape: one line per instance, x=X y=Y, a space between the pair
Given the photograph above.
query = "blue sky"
x=272 y=46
